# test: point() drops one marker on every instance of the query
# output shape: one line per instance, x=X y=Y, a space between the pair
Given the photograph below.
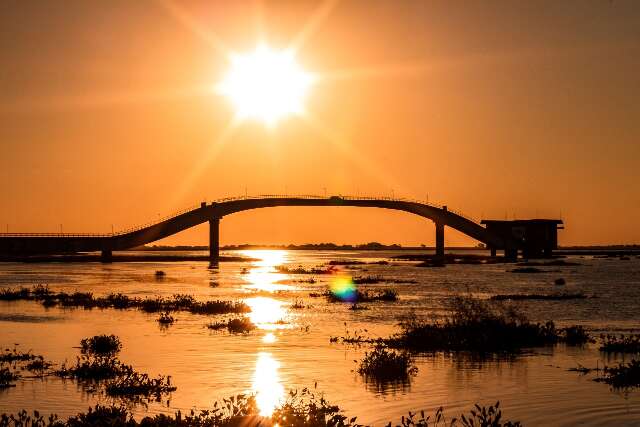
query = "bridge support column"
x=214 y=242
x=106 y=255
x=439 y=258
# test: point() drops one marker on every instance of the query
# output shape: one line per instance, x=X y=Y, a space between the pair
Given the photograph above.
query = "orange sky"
x=494 y=108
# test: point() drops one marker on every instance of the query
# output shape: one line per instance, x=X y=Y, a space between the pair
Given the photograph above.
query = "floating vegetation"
x=160 y=274
x=301 y=270
x=552 y=297
x=345 y=262
x=483 y=327
x=298 y=304
x=166 y=319
x=620 y=343
x=358 y=307
x=94 y=368
x=121 y=379
x=7 y=377
x=300 y=409
x=136 y=384
x=622 y=376
x=242 y=325
x=38 y=365
x=383 y=365
x=177 y=302
x=560 y=282
x=101 y=345
x=366 y=280
x=10 y=356
x=361 y=295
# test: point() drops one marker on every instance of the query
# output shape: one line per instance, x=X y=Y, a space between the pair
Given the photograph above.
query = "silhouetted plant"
x=384 y=365
x=622 y=376
x=101 y=345
x=242 y=325
x=620 y=343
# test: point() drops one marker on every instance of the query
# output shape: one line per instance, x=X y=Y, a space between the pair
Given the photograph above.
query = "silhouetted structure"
x=18 y=244
x=536 y=238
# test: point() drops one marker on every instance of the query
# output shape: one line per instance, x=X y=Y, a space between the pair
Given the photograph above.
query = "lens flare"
x=344 y=289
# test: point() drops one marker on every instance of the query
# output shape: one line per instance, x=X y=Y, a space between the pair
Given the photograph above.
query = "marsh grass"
x=7 y=377
x=300 y=409
x=622 y=376
x=389 y=295
x=86 y=300
x=241 y=325
x=94 y=368
x=102 y=345
x=383 y=365
x=620 y=343
x=301 y=270
x=166 y=319
x=10 y=356
x=481 y=326
x=136 y=384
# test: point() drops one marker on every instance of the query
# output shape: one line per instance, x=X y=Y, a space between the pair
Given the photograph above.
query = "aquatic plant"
x=160 y=274
x=622 y=376
x=95 y=368
x=301 y=270
x=620 y=343
x=479 y=326
x=101 y=345
x=166 y=318
x=298 y=304
x=14 y=355
x=367 y=280
x=385 y=365
x=7 y=377
x=242 y=325
x=38 y=365
x=548 y=297
x=363 y=296
x=132 y=384
x=300 y=409
x=178 y=302
x=345 y=262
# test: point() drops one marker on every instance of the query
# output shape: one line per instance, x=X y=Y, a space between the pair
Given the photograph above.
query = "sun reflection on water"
x=267 y=313
x=263 y=275
x=266 y=384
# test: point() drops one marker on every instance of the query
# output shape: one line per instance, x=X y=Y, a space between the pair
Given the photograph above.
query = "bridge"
x=213 y=212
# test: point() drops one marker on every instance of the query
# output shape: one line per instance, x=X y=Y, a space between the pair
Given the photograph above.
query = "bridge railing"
x=239 y=198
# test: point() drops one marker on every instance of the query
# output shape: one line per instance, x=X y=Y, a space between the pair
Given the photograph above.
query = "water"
x=291 y=348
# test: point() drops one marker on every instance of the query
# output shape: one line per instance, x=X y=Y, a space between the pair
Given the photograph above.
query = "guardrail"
x=239 y=198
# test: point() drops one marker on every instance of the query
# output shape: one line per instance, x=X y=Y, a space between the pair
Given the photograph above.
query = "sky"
x=109 y=117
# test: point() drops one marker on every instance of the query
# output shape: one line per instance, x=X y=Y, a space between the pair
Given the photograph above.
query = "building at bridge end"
x=536 y=238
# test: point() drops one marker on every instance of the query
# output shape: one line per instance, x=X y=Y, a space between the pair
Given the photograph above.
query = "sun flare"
x=266 y=85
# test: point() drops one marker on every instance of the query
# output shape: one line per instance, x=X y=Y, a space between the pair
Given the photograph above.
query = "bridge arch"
x=214 y=212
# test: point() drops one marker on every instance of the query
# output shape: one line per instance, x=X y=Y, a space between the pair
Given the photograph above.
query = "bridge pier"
x=214 y=242
x=439 y=258
x=106 y=255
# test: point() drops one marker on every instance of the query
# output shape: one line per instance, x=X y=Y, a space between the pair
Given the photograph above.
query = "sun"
x=266 y=85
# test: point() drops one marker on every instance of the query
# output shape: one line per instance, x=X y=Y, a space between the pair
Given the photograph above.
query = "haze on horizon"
x=495 y=108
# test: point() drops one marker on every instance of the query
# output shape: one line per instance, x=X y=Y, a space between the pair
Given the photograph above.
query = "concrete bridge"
x=54 y=243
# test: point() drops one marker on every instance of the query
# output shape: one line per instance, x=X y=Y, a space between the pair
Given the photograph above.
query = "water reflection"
x=269 y=338
x=263 y=275
x=267 y=313
x=266 y=384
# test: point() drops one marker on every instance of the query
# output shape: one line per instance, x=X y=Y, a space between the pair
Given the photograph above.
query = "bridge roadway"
x=41 y=243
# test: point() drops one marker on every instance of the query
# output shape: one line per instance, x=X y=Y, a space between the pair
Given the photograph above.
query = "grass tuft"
x=242 y=325
x=101 y=345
